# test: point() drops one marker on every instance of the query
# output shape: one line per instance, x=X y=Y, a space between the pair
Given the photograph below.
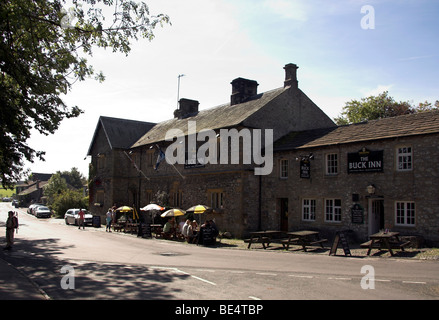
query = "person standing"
x=11 y=225
x=81 y=219
x=109 y=219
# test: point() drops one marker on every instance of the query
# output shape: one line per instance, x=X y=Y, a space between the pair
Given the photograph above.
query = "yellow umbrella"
x=124 y=209
x=173 y=213
x=128 y=209
x=199 y=208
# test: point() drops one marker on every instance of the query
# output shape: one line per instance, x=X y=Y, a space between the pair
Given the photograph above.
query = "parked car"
x=42 y=212
x=72 y=217
x=15 y=203
x=31 y=209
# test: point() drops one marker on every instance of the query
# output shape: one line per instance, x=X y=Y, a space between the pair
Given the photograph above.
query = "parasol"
x=152 y=206
x=199 y=209
x=173 y=213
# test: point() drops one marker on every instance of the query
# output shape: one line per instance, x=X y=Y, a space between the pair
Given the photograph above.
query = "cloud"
x=376 y=91
x=288 y=9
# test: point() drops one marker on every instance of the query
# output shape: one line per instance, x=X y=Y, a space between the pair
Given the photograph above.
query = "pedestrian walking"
x=81 y=219
x=11 y=225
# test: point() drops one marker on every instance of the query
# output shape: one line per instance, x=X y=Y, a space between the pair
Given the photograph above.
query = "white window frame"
x=404 y=158
x=283 y=168
x=331 y=164
x=333 y=210
x=405 y=213
x=309 y=209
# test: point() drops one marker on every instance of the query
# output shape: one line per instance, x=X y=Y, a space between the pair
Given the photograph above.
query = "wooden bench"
x=319 y=242
x=286 y=242
x=263 y=240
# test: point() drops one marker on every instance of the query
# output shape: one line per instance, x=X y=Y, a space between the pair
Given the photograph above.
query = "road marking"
x=297 y=276
x=382 y=280
x=204 y=280
x=415 y=282
x=254 y=298
x=266 y=274
x=330 y=278
x=183 y=272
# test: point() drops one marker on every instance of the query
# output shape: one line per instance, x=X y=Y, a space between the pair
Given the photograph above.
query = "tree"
x=42 y=49
x=56 y=186
x=372 y=108
x=74 y=178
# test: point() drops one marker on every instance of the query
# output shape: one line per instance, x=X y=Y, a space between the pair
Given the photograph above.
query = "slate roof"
x=120 y=133
x=405 y=125
x=223 y=116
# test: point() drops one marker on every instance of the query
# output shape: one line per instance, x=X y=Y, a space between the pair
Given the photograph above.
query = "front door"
x=284 y=214
x=376 y=215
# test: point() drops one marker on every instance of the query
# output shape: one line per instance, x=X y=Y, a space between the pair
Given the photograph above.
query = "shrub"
x=68 y=199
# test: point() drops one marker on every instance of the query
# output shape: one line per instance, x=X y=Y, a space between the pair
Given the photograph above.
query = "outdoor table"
x=263 y=237
x=157 y=229
x=385 y=240
x=306 y=238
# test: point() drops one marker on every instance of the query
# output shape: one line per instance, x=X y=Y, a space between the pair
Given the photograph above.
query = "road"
x=120 y=266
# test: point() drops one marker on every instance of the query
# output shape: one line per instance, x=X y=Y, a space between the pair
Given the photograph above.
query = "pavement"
x=15 y=285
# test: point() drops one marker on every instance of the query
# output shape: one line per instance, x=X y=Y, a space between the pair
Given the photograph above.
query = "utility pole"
x=178 y=91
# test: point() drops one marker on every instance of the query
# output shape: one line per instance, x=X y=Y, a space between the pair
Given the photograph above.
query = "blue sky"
x=213 y=42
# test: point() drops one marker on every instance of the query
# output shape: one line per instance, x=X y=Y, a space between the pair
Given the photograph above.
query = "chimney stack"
x=242 y=90
x=188 y=108
x=291 y=75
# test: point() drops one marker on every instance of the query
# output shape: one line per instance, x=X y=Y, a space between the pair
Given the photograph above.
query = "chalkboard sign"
x=357 y=213
x=145 y=230
x=207 y=236
x=340 y=237
x=96 y=221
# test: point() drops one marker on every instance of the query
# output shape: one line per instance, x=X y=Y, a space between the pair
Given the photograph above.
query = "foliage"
x=376 y=107
x=74 y=178
x=56 y=185
x=42 y=49
x=68 y=199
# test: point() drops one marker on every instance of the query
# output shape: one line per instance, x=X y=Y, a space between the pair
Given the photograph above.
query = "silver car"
x=72 y=216
x=42 y=212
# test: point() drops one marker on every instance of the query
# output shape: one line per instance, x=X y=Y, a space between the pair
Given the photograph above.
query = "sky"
x=345 y=50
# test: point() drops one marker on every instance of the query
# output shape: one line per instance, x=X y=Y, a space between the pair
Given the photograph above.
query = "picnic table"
x=264 y=237
x=304 y=238
x=384 y=241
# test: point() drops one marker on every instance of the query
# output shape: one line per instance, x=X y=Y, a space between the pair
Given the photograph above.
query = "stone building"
x=112 y=178
x=365 y=177
x=232 y=189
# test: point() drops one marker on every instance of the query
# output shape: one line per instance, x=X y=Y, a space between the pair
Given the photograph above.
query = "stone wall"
x=419 y=185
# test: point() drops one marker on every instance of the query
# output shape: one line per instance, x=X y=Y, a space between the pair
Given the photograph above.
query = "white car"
x=42 y=212
x=72 y=216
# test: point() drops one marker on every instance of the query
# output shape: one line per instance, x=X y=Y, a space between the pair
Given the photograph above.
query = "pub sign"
x=365 y=161
x=305 y=169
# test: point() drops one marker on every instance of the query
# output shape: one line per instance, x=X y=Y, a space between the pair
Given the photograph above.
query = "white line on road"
x=254 y=298
x=297 y=276
x=180 y=271
x=266 y=274
x=415 y=282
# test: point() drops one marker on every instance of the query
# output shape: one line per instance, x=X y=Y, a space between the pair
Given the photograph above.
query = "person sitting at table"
x=169 y=228
x=192 y=232
x=184 y=229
